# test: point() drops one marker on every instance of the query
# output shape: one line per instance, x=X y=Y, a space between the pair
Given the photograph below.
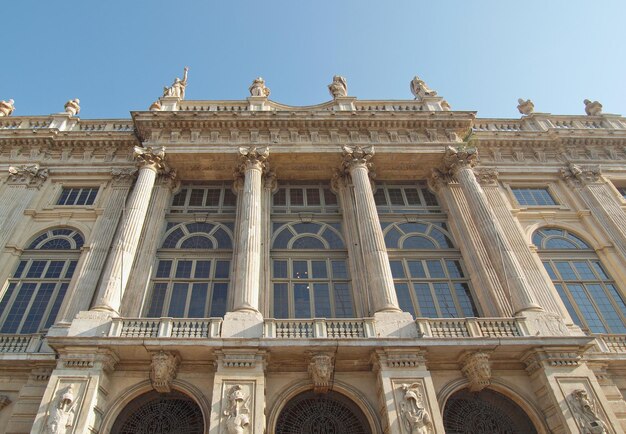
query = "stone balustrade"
x=470 y=327
x=319 y=328
x=43 y=122
x=547 y=122
x=188 y=328
x=21 y=343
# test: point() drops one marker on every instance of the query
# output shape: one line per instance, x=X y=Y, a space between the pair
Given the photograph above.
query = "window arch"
x=309 y=271
x=189 y=282
x=36 y=289
x=428 y=272
x=589 y=293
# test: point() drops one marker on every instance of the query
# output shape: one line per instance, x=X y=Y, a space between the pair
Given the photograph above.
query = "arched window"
x=428 y=271
x=193 y=271
x=36 y=289
x=585 y=286
x=309 y=272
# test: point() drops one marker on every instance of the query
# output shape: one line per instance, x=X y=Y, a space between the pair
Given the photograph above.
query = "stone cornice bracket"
x=154 y=158
x=163 y=370
x=253 y=157
x=102 y=359
x=477 y=369
x=455 y=159
x=578 y=176
x=354 y=156
x=30 y=175
x=4 y=401
x=487 y=176
x=241 y=359
x=399 y=359
x=554 y=358
x=321 y=370
x=124 y=176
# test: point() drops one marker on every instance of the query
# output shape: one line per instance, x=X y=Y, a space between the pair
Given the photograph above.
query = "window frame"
x=552 y=192
x=391 y=208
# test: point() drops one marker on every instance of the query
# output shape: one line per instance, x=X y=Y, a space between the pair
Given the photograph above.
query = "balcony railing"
x=470 y=327
x=188 y=328
x=319 y=328
x=20 y=343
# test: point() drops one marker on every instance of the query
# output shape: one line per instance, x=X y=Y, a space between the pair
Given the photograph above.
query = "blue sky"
x=116 y=56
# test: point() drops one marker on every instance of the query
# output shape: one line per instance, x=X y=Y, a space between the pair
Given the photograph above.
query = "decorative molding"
x=321 y=369
x=123 y=176
x=415 y=417
x=401 y=359
x=536 y=360
x=487 y=176
x=40 y=374
x=240 y=359
x=357 y=156
x=457 y=158
x=88 y=359
x=252 y=157
x=30 y=175
x=586 y=412
x=578 y=176
x=150 y=157
x=237 y=413
x=163 y=370
x=477 y=369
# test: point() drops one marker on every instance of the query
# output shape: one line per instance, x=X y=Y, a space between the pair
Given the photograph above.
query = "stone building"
x=375 y=267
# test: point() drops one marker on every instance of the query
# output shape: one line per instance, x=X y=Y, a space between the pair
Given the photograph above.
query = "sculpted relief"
x=237 y=412
x=62 y=414
x=585 y=412
x=415 y=418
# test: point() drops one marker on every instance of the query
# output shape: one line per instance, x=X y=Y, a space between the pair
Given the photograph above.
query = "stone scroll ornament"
x=415 y=417
x=61 y=416
x=585 y=412
x=163 y=370
x=237 y=412
x=321 y=372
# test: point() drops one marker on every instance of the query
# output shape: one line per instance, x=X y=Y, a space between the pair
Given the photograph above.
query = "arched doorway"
x=329 y=413
x=484 y=412
x=160 y=413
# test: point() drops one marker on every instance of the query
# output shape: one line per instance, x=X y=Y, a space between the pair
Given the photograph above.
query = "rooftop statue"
x=525 y=107
x=72 y=107
x=419 y=88
x=339 y=87
x=6 y=107
x=177 y=89
x=593 y=108
x=258 y=88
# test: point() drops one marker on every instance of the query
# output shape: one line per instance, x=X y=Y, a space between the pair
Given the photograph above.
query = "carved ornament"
x=487 y=176
x=177 y=89
x=163 y=370
x=62 y=412
x=525 y=107
x=415 y=417
x=477 y=370
x=592 y=108
x=7 y=108
x=581 y=175
x=150 y=157
x=123 y=176
x=258 y=88
x=27 y=174
x=457 y=158
x=253 y=157
x=155 y=106
x=4 y=401
x=237 y=412
x=321 y=369
x=354 y=156
x=420 y=90
x=339 y=87
x=534 y=361
x=586 y=412
x=72 y=107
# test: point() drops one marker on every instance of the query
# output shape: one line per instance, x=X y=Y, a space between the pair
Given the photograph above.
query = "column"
x=245 y=320
x=84 y=283
x=139 y=283
x=122 y=256
x=491 y=295
x=459 y=164
x=21 y=186
x=270 y=186
x=377 y=268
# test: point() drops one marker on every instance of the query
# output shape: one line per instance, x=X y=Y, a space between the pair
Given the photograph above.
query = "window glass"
x=533 y=196
x=77 y=196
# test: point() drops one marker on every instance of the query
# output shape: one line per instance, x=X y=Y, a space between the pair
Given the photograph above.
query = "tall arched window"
x=193 y=271
x=309 y=272
x=427 y=270
x=586 y=288
x=36 y=289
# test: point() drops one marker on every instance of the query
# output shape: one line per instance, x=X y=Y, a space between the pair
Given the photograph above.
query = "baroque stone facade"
x=356 y=266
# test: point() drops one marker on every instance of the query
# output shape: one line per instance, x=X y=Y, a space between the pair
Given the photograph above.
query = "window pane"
x=445 y=300
x=54 y=269
x=36 y=268
x=464 y=297
x=568 y=305
x=417 y=242
x=38 y=307
x=609 y=314
x=183 y=270
x=435 y=269
x=218 y=301
x=550 y=270
x=598 y=267
x=197 y=195
x=395 y=196
x=65 y=192
x=329 y=197
x=431 y=199
x=313 y=197
x=425 y=301
x=178 y=300
x=533 y=196
x=6 y=297
x=281 y=301
x=163 y=270
x=20 y=269
x=454 y=269
x=55 y=307
x=308 y=243
x=93 y=192
x=280 y=269
x=404 y=298
x=343 y=301
x=301 y=300
x=296 y=196
x=379 y=197
x=18 y=308
x=213 y=197
x=584 y=270
x=71 y=198
x=198 y=300
x=565 y=270
x=614 y=294
x=586 y=308
x=179 y=199
x=158 y=297
x=300 y=270
x=203 y=270
x=280 y=197
x=222 y=270
x=340 y=271
x=82 y=197
x=230 y=199
x=412 y=196
x=319 y=270
x=397 y=270
x=322 y=300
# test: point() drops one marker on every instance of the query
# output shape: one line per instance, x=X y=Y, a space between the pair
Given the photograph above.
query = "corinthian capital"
x=253 y=157
x=150 y=157
x=27 y=174
x=580 y=175
x=486 y=176
x=455 y=159
x=357 y=156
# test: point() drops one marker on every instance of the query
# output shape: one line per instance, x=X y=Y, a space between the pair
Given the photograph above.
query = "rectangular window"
x=198 y=199
x=302 y=198
x=78 y=196
x=399 y=197
x=534 y=197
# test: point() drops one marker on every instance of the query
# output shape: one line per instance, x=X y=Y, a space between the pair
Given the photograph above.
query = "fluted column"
x=139 y=281
x=270 y=186
x=356 y=163
x=121 y=258
x=248 y=260
x=459 y=163
x=600 y=200
x=85 y=280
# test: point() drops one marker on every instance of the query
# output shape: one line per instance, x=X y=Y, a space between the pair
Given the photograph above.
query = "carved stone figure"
x=339 y=87
x=593 y=108
x=163 y=370
x=321 y=372
x=420 y=90
x=477 y=370
x=155 y=106
x=415 y=417
x=237 y=414
x=525 y=107
x=586 y=413
x=7 y=107
x=579 y=175
x=4 y=401
x=72 y=107
x=258 y=88
x=29 y=174
x=177 y=89
x=61 y=416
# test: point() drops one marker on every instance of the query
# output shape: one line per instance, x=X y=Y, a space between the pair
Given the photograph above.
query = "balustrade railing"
x=20 y=343
x=469 y=327
x=319 y=328
x=612 y=343
x=188 y=328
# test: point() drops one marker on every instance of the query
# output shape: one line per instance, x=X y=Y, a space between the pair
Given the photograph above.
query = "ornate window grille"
x=590 y=295
x=38 y=285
